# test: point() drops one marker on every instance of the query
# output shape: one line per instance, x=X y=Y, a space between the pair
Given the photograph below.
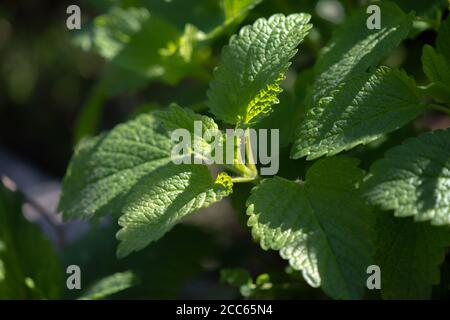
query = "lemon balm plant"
x=331 y=216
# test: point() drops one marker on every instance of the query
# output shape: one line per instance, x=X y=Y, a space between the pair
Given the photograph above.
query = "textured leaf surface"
x=436 y=66
x=354 y=48
x=285 y=118
x=362 y=111
x=105 y=168
x=181 y=118
x=247 y=82
x=442 y=41
x=110 y=285
x=414 y=179
x=321 y=226
x=163 y=199
x=29 y=266
x=409 y=255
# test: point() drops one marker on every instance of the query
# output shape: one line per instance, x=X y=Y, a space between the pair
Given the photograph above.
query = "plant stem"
x=439 y=108
x=242 y=179
x=246 y=173
x=240 y=170
x=249 y=153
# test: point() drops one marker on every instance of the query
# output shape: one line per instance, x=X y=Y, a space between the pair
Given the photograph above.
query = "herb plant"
x=360 y=182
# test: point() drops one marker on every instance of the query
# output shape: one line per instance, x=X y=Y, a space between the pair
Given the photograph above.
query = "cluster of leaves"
x=30 y=268
x=29 y=265
x=122 y=36
x=330 y=224
x=322 y=225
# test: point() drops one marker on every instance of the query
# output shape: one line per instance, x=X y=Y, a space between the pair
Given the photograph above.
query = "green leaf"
x=438 y=91
x=437 y=69
x=247 y=82
x=122 y=37
x=131 y=164
x=163 y=199
x=234 y=11
x=436 y=66
x=29 y=266
x=210 y=16
x=414 y=179
x=110 y=285
x=181 y=118
x=235 y=277
x=409 y=255
x=442 y=42
x=284 y=118
x=109 y=33
x=169 y=56
x=361 y=111
x=241 y=279
x=105 y=168
x=354 y=48
x=321 y=225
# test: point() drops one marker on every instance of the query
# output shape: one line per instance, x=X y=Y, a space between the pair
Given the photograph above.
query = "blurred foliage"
x=29 y=266
x=284 y=284
x=110 y=285
x=158 y=268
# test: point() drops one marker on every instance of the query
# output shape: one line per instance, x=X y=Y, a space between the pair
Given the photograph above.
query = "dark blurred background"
x=43 y=81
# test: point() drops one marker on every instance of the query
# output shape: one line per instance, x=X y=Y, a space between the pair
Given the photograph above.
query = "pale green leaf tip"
x=224 y=181
x=259 y=90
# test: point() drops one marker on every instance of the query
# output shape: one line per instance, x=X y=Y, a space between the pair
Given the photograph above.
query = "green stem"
x=249 y=153
x=239 y=170
x=245 y=173
x=88 y=119
x=242 y=179
x=439 y=108
x=254 y=180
